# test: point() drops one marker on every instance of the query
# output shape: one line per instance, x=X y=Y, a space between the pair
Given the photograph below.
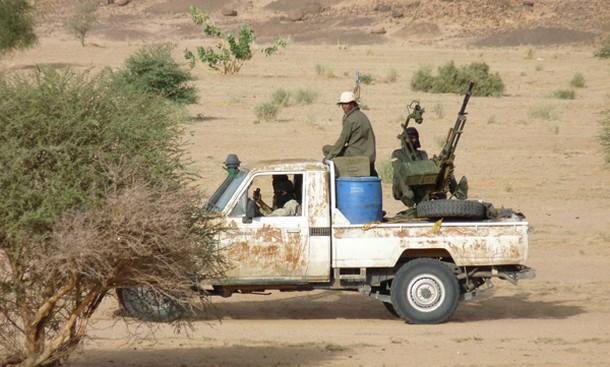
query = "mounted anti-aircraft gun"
x=445 y=159
x=418 y=178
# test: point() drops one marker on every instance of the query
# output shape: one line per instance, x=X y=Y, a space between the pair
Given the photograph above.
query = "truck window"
x=275 y=195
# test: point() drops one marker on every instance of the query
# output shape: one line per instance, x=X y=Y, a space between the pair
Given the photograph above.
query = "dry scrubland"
x=525 y=150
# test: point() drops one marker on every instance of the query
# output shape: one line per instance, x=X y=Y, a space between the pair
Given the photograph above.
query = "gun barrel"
x=466 y=97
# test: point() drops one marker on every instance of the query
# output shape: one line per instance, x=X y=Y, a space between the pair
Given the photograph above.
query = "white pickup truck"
x=419 y=268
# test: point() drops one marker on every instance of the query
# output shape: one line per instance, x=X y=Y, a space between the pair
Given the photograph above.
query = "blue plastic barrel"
x=359 y=199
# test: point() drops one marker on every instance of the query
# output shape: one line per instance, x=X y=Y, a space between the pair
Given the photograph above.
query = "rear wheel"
x=148 y=305
x=425 y=291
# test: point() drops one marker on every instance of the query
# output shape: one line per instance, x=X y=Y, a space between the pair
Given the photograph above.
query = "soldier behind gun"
x=413 y=195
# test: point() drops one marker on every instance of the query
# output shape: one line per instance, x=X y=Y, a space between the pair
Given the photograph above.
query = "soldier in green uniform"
x=412 y=195
x=357 y=137
x=409 y=195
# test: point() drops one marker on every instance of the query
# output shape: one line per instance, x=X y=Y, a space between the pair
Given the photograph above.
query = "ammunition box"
x=352 y=166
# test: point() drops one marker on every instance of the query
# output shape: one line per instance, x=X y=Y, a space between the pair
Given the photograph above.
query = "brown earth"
x=550 y=169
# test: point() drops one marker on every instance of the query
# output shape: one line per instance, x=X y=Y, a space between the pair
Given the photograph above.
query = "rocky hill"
x=462 y=22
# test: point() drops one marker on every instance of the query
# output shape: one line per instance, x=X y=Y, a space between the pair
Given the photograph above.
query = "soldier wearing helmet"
x=357 y=137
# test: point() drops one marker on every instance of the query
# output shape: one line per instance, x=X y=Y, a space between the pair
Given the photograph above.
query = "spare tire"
x=466 y=209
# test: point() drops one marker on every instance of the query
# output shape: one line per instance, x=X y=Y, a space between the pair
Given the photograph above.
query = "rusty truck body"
x=420 y=269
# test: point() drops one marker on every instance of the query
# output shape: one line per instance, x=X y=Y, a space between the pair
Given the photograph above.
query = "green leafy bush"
x=603 y=52
x=306 y=96
x=153 y=69
x=366 y=79
x=564 y=94
x=543 y=112
x=451 y=79
x=16 y=25
x=281 y=97
x=266 y=111
x=578 y=81
x=231 y=52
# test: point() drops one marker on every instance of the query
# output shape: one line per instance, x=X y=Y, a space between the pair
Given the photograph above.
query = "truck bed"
x=481 y=243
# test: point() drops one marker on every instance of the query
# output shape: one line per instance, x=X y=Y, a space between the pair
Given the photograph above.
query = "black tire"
x=425 y=291
x=147 y=305
x=468 y=209
x=391 y=309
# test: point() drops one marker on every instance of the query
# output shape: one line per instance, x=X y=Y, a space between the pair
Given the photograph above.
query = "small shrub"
x=539 y=67
x=266 y=111
x=603 y=52
x=325 y=72
x=564 y=94
x=491 y=119
x=602 y=235
x=451 y=79
x=555 y=127
x=153 y=69
x=578 y=81
x=82 y=20
x=423 y=79
x=230 y=53
x=543 y=112
x=281 y=97
x=366 y=79
x=530 y=53
x=306 y=96
x=320 y=70
x=392 y=76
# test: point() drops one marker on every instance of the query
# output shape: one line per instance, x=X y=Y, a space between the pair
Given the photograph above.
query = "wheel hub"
x=426 y=293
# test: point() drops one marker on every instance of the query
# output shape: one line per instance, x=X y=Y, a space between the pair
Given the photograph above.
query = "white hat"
x=347 y=97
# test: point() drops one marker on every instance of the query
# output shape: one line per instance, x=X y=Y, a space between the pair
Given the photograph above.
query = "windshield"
x=223 y=194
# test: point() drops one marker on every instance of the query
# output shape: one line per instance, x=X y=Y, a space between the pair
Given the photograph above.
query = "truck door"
x=272 y=246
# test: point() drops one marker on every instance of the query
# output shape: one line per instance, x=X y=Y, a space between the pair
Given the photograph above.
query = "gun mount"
x=418 y=178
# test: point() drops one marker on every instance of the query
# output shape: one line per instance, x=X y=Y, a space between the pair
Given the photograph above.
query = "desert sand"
x=552 y=170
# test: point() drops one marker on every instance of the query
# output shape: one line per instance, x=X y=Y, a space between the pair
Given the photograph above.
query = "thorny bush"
x=94 y=196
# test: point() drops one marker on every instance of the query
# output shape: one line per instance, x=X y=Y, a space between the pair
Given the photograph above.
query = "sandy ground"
x=552 y=170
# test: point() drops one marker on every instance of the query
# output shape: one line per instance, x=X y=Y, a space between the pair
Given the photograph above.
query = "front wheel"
x=148 y=305
x=425 y=291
